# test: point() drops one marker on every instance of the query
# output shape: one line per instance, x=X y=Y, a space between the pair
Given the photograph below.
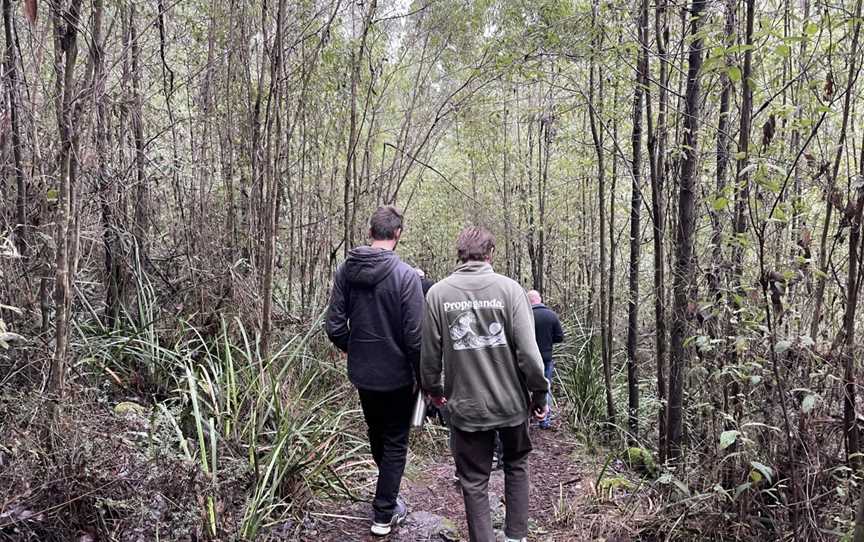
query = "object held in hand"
x=418 y=413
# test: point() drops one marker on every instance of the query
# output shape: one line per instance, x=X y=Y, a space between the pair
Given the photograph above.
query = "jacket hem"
x=487 y=425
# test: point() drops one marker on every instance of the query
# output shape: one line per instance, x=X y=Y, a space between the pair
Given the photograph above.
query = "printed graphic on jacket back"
x=476 y=323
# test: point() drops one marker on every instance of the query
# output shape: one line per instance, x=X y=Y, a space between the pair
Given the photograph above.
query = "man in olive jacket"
x=375 y=313
x=478 y=329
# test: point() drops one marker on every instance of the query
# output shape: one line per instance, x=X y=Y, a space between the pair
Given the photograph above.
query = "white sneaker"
x=383 y=529
x=515 y=540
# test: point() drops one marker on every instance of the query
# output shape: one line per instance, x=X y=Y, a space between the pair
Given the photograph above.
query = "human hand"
x=541 y=412
x=438 y=401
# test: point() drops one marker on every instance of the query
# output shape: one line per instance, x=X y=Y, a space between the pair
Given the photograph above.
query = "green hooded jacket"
x=479 y=351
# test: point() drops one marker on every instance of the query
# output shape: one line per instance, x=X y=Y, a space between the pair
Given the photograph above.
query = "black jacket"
x=426 y=284
x=548 y=330
x=375 y=314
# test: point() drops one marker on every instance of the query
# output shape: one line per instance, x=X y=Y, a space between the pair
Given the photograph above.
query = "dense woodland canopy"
x=682 y=180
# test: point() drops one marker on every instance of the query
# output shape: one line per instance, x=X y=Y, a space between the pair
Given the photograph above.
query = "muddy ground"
x=564 y=505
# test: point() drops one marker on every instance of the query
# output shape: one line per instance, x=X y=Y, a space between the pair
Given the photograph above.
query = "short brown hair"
x=384 y=223
x=475 y=244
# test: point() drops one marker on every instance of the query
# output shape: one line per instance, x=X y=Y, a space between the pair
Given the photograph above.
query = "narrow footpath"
x=564 y=505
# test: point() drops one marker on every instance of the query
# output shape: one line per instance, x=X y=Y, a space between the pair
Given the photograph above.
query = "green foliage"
x=609 y=485
x=284 y=424
x=641 y=460
x=290 y=428
x=728 y=438
x=580 y=376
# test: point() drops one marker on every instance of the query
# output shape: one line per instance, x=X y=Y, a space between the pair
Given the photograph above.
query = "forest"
x=682 y=180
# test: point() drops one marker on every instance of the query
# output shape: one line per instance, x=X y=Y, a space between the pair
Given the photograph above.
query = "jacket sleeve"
x=337 y=313
x=432 y=350
x=557 y=332
x=412 y=319
x=527 y=353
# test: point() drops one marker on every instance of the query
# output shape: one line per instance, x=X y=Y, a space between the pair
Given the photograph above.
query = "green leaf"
x=779 y=214
x=756 y=477
x=811 y=29
x=765 y=470
x=720 y=203
x=734 y=73
x=783 y=50
x=728 y=438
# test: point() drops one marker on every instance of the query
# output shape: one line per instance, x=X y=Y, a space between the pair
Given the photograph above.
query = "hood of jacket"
x=470 y=276
x=368 y=266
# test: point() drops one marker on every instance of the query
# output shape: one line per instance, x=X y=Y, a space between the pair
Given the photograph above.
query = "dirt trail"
x=564 y=506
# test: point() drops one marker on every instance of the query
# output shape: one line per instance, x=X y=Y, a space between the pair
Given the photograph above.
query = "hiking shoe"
x=383 y=529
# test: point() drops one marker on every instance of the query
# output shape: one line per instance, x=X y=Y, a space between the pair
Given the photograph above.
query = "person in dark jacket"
x=375 y=315
x=547 y=329
x=425 y=282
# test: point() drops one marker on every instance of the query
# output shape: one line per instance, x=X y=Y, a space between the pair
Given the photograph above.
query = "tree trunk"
x=545 y=142
x=723 y=137
x=657 y=165
x=106 y=193
x=12 y=92
x=142 y=196
x=742 y=194
x=271 y=181
x=716 y=271
x=350 y=187
x=635 y=225
x=852 y=76
x=684 y=268
x=853 y=284
x=613 y=241
x=65 y=25
x=595 y=112
x=742 y=199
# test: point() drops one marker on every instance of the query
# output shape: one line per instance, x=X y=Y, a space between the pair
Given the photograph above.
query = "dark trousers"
x=388 y=417
x=472 y=451
x=548 y=368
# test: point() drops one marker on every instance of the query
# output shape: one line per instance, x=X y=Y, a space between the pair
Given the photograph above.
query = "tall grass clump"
x=579 y=378
x=285 y=414
x=267 y=432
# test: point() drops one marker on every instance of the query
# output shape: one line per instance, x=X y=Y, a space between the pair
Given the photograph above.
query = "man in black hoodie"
x=375 y=315
x=547 y=329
